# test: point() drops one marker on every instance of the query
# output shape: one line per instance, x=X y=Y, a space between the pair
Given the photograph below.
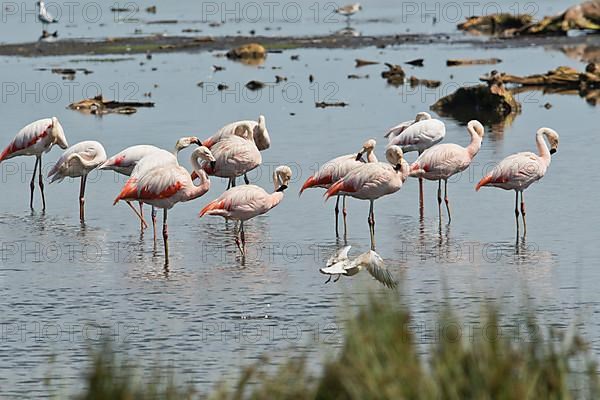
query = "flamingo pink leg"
x=141 y=213
x=337 y=215
x=82 y=198
x=439 y=198
x=137 y=213
x=517 y=210
x=344 y=214
x=41 y=184
x=446 y=200
x=371 y=221
x=240 y=239
x=154 y=222
x=166 y=236
x=32 y=184
x=523 y=215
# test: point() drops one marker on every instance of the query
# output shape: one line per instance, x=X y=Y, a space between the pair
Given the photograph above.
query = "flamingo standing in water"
x=164 y=185
x=235 y=157
x=417 y=135
x=518 y=171
x=77 y=162
x=242 y=203
x=334 y=170
x=126 y=160
x=33 y=140
x=373 y=180
x=441 y=161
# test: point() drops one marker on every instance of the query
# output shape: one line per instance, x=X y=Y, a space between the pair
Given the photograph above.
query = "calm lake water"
x=66 y=287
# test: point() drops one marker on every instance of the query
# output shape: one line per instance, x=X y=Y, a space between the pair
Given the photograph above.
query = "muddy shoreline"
x=164 y=44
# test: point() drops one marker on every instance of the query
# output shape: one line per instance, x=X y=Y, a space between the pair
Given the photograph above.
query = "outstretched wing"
x=340 y=255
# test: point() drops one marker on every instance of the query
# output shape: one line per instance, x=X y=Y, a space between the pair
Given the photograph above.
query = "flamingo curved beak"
x=552 y=151
x=359 y=155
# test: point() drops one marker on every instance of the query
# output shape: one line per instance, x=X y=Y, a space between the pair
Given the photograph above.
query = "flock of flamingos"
x=157 y=179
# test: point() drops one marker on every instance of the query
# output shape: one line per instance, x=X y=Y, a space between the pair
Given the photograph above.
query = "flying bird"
x=417 y=135
x=440 y=162
x=371 y=181
x=33 y=140
x=518 y=171
x=77 y=162
x=334 y=170
x=242 y=203
x=339 y=264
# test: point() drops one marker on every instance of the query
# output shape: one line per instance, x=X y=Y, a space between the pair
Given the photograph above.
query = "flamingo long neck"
x=542 y=148
x=275 y=198
x=371 y=157
x=475 y=145
x=204 y=183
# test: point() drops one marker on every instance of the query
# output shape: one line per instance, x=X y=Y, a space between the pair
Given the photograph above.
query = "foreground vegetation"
x=380 y=359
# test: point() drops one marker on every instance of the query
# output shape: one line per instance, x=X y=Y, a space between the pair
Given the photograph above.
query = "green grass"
x=380 y=359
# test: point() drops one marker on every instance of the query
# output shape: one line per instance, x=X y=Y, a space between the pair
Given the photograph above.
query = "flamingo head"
x=475 y=126
x=282 y=176
x=58 y=134
x=368 y=147
x=395 y=156
x=187 y=141
x=205 y=154
x=552 y=137
x=422 y=116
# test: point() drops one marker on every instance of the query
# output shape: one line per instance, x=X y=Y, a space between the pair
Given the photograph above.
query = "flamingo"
x=417 y=135
x=235 y=157
x=334 y=170
x=259 y=129
x=339 y=264
x=441 y=161
x=373 y=180
x=164 y=185
x=518 y=171
x=242 y=203
x=77 y=162
x=33 y=140
x=125 y=161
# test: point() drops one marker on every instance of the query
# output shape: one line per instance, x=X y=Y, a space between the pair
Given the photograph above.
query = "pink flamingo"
x=33 y=140
x=126 y=160
x=260 y=135
x=442 y=161
x=235 y=157
x=164 y=185
x=334 y=170
x=242 y=203
x=518 y=171
x=418 y=135
x=373 y=180
x=77 y=162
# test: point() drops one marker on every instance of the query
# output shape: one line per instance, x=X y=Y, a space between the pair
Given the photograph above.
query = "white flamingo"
x=244 y=202
x=518 y=171
x=33 y=140
x=372 y=181
x=334 y=170
x=440 y=162
x=339 y=264
x=417 y=135
x=77 y=162
x=260 y=134
x=164 y=185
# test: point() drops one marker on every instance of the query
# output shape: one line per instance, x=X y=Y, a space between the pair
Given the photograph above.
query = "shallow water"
x=93 y=19
x=65 y=287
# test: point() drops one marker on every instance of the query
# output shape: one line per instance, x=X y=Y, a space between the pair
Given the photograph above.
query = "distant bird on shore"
x=44 y=16
x=242 y=203
x=164 y=185
x=334 y=170
x=371 y=181
x=33 y=140
x=518 y=171
x=440 y=162
x=77 y=162
x=417 y=135
x=339 y=264
x=349 y=10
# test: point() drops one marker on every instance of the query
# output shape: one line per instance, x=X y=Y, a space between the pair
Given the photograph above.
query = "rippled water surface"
x=65 y=286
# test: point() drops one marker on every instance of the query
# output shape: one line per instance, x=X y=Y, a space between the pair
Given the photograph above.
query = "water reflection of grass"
x=381 y=359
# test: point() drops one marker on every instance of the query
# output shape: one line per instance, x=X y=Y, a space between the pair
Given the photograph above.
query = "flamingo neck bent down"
x=543 y=151
x=475 y=145
x=195 y=191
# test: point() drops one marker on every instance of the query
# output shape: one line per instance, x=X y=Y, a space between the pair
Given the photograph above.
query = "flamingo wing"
x=241 y=202
x=516 y=171
x=27 y=137
x=78 y=160
x=340 y=255
x=420 y=135
x=128 y=158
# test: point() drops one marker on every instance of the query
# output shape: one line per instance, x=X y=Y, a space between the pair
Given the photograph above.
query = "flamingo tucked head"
x=367 y=147
x=395 y=156
x=552 y=137
x=58 y=134
x=422 y=116
x=281 y=177
x=476 y=126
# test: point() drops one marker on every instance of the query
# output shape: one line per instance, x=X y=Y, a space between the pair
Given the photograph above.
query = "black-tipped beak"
x=282 y=188
x=213 y=164
x=398 y=167
x=552 y=151
x=359 y=156
x=198 y=142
